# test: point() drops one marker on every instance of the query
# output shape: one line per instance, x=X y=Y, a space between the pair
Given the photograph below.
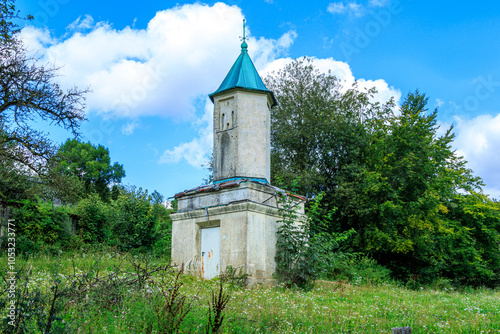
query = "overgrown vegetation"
x=69 y=294
x=387 y=176
x=110 y=292
x=295 y=255
x=135 y=221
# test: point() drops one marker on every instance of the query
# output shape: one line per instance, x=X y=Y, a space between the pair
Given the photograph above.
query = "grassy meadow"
x=109 y=292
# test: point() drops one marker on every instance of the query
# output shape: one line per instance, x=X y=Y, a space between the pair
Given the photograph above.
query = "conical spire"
x=243 y=74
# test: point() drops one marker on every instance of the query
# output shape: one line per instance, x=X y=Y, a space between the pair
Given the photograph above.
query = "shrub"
x=163 y=236
x=140 y=223
x=294 y=256
x=93 y=219
x=41 y=226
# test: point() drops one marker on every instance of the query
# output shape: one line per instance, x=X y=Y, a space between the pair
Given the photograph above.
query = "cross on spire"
x=244 y=30
x=244 y=45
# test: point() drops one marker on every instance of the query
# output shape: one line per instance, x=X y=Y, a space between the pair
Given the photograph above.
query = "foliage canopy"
x=387 y=174
x=91 y=165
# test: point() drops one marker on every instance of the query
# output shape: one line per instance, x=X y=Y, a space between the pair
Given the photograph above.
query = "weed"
x=35 y=310
x=174 y=306
x=235 y=278
x=215 y=307
x=330 y=307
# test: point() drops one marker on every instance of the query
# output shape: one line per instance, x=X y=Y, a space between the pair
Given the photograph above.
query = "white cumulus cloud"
x=478 y=141
x=343 y=72
x=182 y=54
x=337 y=8
x=82 y=24
x=197 y=150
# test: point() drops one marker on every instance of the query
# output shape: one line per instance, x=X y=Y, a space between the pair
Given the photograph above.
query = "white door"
x=210 y=252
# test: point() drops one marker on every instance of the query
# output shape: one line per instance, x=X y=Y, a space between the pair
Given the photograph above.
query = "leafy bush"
x=141 y=221
x=294 y=256
x=367 y=271
x=41 y=226
x=163 y=236
x=355 y=268
x=136 y=222
x=305 y=250
x=94 y=218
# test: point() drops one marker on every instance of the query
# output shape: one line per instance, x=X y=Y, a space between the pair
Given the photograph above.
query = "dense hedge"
x=135 y=221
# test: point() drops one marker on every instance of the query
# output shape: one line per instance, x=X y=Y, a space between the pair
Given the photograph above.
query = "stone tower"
x=233 y=221
x=242 y=123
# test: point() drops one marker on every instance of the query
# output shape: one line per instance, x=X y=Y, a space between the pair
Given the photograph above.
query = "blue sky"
x=151 y=65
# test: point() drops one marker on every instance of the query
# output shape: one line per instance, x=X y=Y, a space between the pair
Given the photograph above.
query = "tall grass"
x=331 y=307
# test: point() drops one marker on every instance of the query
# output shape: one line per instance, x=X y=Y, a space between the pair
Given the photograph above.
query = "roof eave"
x=272 y=98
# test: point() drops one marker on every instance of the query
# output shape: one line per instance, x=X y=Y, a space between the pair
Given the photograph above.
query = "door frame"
x=205 y=225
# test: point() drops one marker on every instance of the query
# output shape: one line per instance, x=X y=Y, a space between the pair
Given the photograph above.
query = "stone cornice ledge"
x=228 y=208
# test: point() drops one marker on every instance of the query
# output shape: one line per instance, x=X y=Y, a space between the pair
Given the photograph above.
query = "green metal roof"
x=243 y=75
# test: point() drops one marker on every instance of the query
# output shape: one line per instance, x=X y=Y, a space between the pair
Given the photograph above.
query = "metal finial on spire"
x=244 y=30
x=244 y=45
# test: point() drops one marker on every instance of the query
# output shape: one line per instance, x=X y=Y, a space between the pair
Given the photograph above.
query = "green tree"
x=136 y=225
x=163 y=225
x=91 y=165
x=319 y=129
x=94 y=219
x=414 y=205
x=293 y=252
x=29 y=95
x=15 y=183
x=399 y=200
x=474 y=258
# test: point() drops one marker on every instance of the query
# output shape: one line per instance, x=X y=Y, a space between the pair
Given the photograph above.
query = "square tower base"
x=247 y=214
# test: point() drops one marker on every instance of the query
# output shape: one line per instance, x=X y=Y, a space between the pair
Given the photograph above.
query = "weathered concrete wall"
x=246 y=191
x=242 y=135
x=247 y=232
